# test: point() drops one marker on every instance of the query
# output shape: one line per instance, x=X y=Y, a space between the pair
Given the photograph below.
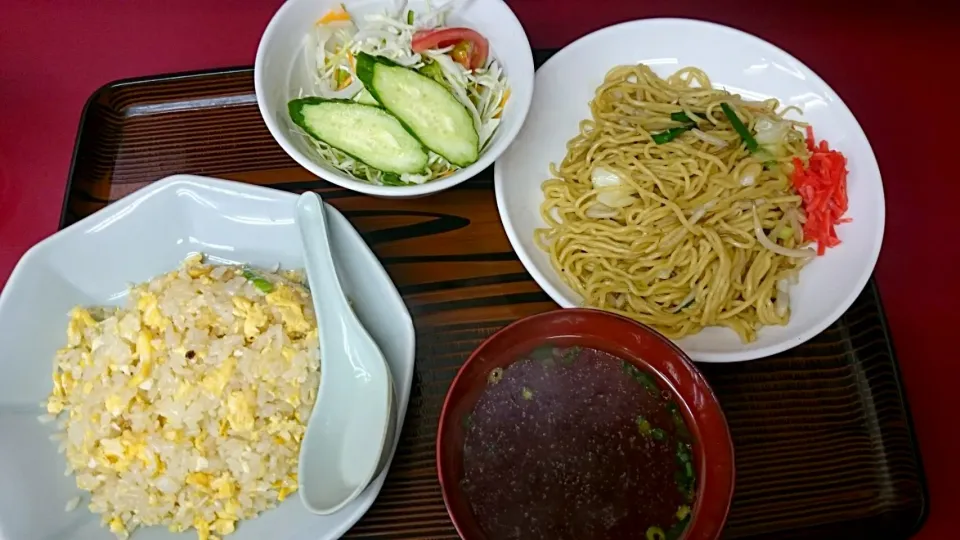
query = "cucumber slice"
x=428 y=109
x=365 y=132
x=366 y=98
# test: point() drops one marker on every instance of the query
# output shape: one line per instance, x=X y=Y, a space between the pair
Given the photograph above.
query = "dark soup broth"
x=575 y=443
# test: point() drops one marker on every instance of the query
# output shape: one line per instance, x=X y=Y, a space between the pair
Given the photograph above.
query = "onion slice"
x=601 y=211
x=701 y=211
x=709 y=139
x=611 y=190
x=750 y=174
x=687 y=300
x=771 y=133
x=776 y=248
x=782 y=303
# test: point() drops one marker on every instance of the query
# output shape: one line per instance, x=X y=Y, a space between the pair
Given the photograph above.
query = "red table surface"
x=896 y=67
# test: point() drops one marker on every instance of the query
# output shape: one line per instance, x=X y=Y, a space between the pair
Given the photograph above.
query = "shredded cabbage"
x=332 y=47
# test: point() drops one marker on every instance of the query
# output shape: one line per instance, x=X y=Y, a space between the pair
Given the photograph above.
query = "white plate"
x=742 y=64
x=133 y=240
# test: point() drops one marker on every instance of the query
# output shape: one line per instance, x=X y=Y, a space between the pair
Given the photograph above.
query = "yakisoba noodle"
x=683 y=235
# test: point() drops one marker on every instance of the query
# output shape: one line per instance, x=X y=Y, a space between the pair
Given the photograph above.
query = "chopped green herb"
x=570 y=355
x=526 y=393
x=664 y=137
x=682 y=117
x=258 y=281
x=676 y=531
x=685 y=487
x=683 y=512
x=786 y=233
x=740 y=128
x=543 y=354
x=658 y=434
x=410 y=16
x=644 y=426
x=647 y=382
x=467 y=421
x=683 y=454
x=643 y=378
x=656 y=533
x=682 y=431
x=548 y=362
x=685 y=475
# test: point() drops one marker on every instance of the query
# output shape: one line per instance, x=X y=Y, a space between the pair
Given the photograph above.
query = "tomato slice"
x=474 y=57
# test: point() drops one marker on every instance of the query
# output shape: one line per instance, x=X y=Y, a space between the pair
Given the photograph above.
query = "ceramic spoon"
x=351 y=420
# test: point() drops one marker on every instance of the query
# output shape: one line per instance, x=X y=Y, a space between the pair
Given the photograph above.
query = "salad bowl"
x=314 y=52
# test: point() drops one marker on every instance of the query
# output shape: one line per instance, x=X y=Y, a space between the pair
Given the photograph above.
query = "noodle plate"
x=661 y=211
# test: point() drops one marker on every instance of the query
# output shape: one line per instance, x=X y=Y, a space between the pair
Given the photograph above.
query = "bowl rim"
x=715 y=517
x=567 y=298
x=520 y=108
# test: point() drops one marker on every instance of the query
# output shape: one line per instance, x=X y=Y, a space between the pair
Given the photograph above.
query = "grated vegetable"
x=823 y=186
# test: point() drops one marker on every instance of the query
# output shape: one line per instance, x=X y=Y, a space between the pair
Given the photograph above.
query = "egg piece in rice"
x=186 y=408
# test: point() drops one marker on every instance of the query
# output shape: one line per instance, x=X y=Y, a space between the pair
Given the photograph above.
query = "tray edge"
x=902 y=392
x=117 y=84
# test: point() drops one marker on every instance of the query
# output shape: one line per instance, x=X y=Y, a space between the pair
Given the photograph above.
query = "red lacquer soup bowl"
x=640 y=350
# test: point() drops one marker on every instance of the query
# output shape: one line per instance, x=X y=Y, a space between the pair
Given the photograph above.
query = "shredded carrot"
x=823 y=187
x=335 y=15
x=503 y=103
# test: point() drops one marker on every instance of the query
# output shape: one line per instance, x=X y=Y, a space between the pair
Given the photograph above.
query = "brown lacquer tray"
x=824 y=442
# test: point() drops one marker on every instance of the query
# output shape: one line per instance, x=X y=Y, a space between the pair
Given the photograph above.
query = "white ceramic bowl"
x=133 y=240
x=279 y=72
x=742 y=64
